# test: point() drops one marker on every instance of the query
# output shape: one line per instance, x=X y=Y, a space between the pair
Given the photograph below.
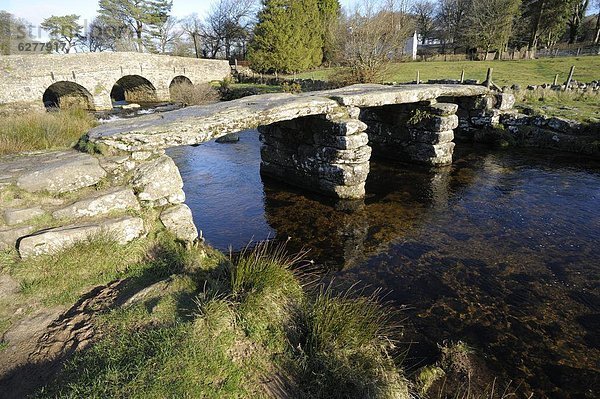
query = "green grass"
x=582 y=107
x=237 y=328
x=522 y=72
x=40 y=130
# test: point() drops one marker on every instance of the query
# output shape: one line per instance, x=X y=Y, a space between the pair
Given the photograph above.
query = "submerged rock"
x=229 y=138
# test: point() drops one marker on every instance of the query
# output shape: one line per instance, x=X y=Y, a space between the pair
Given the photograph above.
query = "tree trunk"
x=535 y=28
x=138 y=32
x=597 y=38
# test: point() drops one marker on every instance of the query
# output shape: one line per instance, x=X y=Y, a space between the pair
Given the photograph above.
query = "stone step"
x=60 y=173
x=115 y=199
x=122 y=230
x=10 y=236
x=17 y=216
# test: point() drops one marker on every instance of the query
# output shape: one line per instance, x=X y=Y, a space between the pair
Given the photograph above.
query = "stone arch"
x=178 y=82
x=65 y=94
x=133 y=88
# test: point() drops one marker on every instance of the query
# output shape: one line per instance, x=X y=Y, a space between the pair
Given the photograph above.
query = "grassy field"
x=522 y=72
x=582 y=107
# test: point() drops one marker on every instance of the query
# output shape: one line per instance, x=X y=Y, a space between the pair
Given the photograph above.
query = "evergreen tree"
x=138 y=15
x=329 y=11
x=64 y=28
x=288 y=36
x=546 y=20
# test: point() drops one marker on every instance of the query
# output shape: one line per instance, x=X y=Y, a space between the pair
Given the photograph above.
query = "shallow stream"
x=500 y=250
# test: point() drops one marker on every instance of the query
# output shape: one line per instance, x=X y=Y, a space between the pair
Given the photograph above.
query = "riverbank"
x=170 y=321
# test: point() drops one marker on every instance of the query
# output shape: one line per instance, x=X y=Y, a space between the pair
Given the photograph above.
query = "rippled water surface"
x=501 y=250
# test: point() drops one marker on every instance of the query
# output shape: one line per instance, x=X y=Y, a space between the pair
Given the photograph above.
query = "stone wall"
x=492 y=120
x=24 y=79
x=52 y=200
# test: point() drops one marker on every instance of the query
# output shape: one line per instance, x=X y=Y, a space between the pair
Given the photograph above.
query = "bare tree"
x=165 y=35
x=425 y=13
x=452 y=19
x=227 y=26
x=192 y=26
x=576 y=19
x=490 y=23
x=373 y=35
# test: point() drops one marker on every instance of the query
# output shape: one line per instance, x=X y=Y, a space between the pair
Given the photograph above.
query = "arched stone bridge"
x=322 y=141
x=89 y=80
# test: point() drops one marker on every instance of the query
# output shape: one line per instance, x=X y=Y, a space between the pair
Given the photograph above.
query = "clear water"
x=500 y=250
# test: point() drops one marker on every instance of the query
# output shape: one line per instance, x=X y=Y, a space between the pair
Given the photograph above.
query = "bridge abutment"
x=417 y=133
x=328 y=154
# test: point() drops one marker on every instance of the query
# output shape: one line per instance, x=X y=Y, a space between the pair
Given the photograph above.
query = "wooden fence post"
x=488 y=80
x=570 y=79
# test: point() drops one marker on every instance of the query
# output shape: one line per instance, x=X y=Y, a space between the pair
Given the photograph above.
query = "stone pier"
x=418 y=133
x=327 y=154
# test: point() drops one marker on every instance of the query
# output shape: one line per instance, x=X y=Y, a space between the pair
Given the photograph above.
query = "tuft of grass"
x=42 y=130
x=344 y=348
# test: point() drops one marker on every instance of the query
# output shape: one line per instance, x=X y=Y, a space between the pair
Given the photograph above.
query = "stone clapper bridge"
x=319 y=141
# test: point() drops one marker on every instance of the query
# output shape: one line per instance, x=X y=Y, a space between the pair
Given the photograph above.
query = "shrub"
x=194 y=94
x=43 y=130
x=293 y=87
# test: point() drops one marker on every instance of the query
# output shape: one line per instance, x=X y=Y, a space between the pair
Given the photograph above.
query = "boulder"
x=122 y=230
x=10 y=236
x=115 y=199
x=158 y=182
x=17 y=216
x=70 y=171
x=179 y=220
x=229 y=138
x=505 y=101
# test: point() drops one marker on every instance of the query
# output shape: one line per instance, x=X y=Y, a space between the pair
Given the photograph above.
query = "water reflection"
x=499 y=250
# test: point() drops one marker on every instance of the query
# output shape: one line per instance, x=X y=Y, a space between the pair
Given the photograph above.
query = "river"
x=500 y=250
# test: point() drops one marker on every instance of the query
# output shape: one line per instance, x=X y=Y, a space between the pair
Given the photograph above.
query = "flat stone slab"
x=17 y=216
x=199 y=124
x=122 y=230
x=374 y=95
x=55 y=171
x=10 y=236
x=114 y=199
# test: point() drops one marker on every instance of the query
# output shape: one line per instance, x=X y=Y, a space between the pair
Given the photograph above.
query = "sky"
x=35 y=11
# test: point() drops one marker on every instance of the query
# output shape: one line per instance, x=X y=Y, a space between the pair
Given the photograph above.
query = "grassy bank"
x=522 y=72
x=212 y=326
x=40 y=130
x=582 y=107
